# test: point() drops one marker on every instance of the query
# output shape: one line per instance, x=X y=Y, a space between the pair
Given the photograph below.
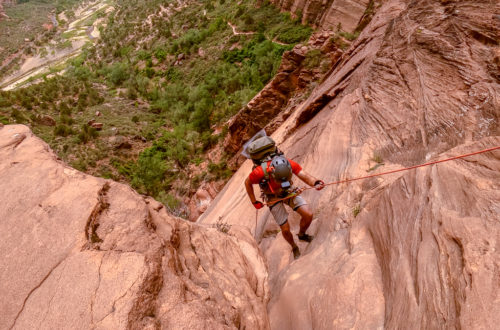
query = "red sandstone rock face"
x=201 y=200
x=79 y=252
x=415 y=250
x=328 y=14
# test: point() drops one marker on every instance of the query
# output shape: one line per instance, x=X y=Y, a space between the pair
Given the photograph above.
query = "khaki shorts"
x=279 y=212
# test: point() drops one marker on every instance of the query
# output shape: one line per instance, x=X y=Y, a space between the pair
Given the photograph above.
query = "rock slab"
x=80 y=252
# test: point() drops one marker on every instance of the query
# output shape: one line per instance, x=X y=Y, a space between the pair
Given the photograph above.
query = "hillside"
x=413 y=250
x=148 y=102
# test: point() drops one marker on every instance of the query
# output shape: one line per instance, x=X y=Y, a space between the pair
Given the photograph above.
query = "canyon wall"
x=413 y=250
x=327 y=15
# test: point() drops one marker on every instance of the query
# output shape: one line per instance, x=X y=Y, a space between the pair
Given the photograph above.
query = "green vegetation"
x=356 y=210
x=26 y=21
x=349 y=36
x=222 y=226
x=377 y=158
x=313 y=59
x=165 y=84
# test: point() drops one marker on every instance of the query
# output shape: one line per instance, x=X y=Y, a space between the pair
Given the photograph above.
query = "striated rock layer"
x=411 y=250
x=329 y=14
x=79 y=252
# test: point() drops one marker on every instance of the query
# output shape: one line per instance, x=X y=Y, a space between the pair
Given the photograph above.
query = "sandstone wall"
x=414 y=250
x=327 y=14
x=79 y=252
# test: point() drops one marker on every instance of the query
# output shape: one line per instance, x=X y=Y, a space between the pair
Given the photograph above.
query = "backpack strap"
x=264 y=169
x=265 y=180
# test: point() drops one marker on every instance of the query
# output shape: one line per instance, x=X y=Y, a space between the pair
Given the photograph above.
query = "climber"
x=273 y=173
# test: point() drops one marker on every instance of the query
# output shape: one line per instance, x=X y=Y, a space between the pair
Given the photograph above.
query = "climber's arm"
x=310 y=180
x=250 y=192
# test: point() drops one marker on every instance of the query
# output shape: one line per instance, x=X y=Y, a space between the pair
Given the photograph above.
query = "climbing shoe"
x=305 y=237
x=296 y=252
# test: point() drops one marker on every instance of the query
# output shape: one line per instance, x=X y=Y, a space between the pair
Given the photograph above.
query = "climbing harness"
x=300 y=190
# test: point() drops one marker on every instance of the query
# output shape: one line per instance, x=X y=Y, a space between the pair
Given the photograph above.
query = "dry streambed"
x=83 y=28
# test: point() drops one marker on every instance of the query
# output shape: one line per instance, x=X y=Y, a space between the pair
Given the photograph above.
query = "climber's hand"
x=258 y=204
x=319 y=184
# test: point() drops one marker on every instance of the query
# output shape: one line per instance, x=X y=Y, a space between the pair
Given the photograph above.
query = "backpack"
x=263 y=150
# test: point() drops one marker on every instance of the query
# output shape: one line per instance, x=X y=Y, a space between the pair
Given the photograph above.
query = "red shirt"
x=258 y=174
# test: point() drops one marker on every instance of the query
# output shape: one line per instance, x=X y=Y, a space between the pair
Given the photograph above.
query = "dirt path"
x=236 y=33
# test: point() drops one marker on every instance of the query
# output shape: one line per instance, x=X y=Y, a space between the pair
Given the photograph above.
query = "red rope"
x=388 y=172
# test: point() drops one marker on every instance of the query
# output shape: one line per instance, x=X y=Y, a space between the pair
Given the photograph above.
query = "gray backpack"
x=261 y=147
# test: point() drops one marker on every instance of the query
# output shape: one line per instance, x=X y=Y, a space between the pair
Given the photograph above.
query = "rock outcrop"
x=201 y=200
x=79 y=252
x=328 y=14
x=413 y=250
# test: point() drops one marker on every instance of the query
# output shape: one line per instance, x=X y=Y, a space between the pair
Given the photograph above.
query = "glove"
x=258 y=204
x=319 y=184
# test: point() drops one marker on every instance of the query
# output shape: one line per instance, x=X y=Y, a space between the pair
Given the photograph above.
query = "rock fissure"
x=92 y=300
x=33 y=290
x=53 y=296
x=145 y=308
x=92 y=224
x=113 y=307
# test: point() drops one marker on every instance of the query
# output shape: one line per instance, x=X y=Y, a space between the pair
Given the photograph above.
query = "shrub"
x=18 y=116
x=62 y=130
x=4 y=120
x=118 y=73
x=160 y=54
x=295 y=34
x=313 y=59
x=349 y=36
x=149 y=172
x=169 y=201
x=66 y=120
x=356 y=210
x=87 y=133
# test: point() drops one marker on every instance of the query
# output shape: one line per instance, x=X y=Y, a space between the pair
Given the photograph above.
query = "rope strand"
x=385 y=173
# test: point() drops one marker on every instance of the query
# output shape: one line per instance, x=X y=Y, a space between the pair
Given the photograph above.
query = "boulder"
x=119 y=142
x=97 y=126
x=201 y=200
